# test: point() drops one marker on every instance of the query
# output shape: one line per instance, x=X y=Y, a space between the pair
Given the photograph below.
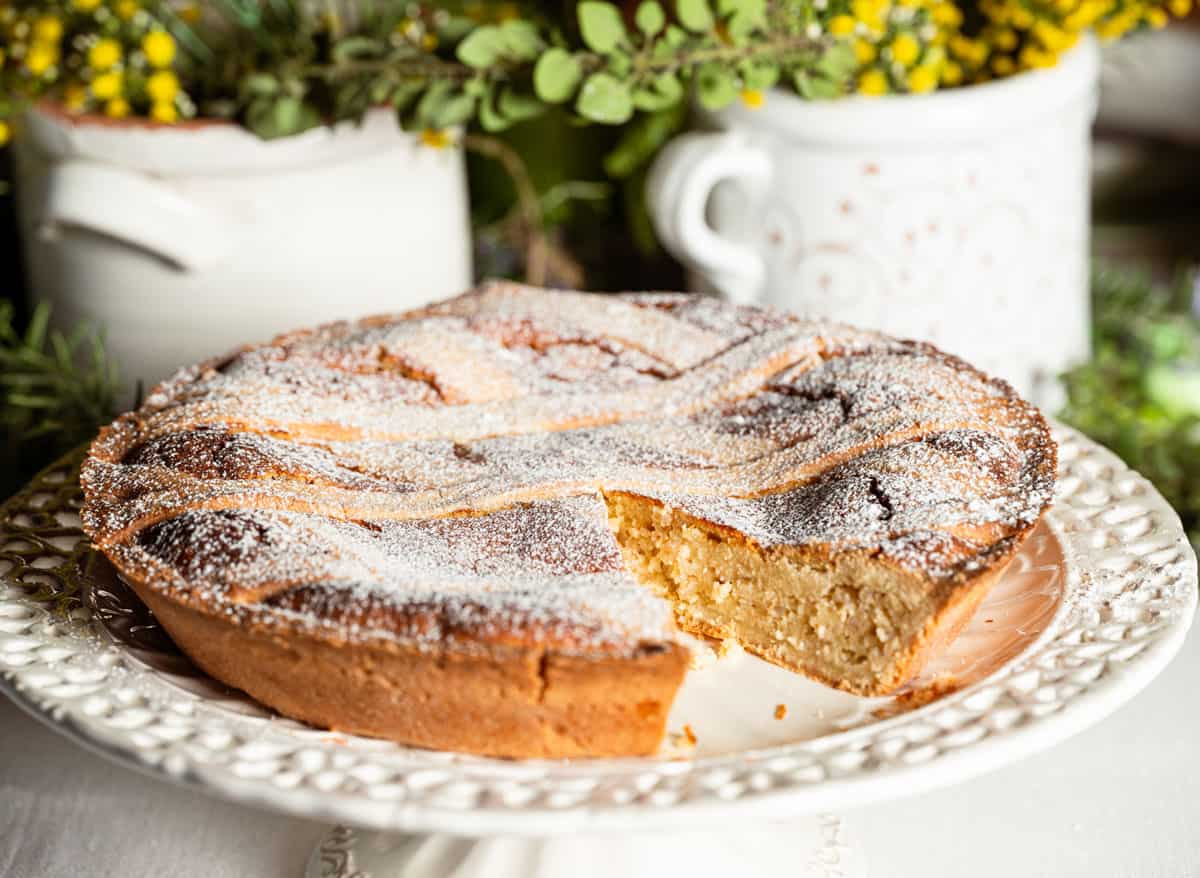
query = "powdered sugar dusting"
x=544 y=562
x=444 y=471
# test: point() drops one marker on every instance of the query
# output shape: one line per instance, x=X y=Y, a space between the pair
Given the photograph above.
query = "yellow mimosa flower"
x=873 y=82
x=1077 y=20
x=952 y=73
x=841 y=25
x=1005 y=39
x=1118 y=25
x=160 y=111
x=5 y=133
x=86 y=5
x=905 y=49
x=974 y=52
x=117 y=108
x=922 y=79
x=1032 y=58
x=753 y=98
x=126 y=9
x=1021 y=18
x=994 y=11
x=108 y=85
x=865 y=51
x=870 y=13
x=1053 y=38
x=437 y=138
x=1003 y=65
x=159 y=48
x=163 y=87
x=1179 y=8
x=104 y=54
x=946 y=15
x=40 y=58
x=47 y=29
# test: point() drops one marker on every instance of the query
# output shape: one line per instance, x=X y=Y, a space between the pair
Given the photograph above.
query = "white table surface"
x=1121 y=799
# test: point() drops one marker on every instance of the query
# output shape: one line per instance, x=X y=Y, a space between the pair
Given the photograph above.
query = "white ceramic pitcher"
x=186 y=241
x=960 y=217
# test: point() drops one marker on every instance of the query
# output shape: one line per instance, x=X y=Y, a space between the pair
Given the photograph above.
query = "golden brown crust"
x=493 y=703
x=290 y=512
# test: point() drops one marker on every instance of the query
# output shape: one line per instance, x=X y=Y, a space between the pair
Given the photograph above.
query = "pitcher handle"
x=137 y=210
x=680 y=183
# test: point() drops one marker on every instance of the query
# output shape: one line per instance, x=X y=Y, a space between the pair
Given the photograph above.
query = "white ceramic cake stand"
x=1094 y=606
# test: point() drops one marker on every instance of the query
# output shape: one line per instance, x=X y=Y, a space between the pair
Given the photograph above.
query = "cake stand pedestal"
x=816 y=846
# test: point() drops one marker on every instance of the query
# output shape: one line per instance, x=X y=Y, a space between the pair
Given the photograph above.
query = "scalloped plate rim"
x=1082 y=710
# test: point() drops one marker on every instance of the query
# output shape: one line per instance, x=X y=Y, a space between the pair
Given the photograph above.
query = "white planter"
x=187 y=241
x=960 y=217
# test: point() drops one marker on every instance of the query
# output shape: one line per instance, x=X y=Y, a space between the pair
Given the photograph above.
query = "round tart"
x=490 y=525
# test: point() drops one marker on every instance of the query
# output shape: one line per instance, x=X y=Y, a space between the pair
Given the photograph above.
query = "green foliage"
x=1140 y=394
x=557 y=76
x=825 y=77
x=715 y=86
x=601 y=26
x=604 y=98
x=650 y=18
x=661 y=93
x=56 y=390
x=281 y=67
x=640 y=141
x=440 y=68
x=512 y=41
x=694 y=15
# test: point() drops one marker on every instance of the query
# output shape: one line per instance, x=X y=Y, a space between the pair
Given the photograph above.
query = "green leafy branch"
x=1140 y=393
x=720 y=52
x=457 y=72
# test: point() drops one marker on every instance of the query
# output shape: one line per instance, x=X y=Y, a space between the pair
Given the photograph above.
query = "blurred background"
x=1139 y=394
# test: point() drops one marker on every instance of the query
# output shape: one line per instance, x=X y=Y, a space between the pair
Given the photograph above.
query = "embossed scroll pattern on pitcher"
x=1130 y=595
x=922 y=245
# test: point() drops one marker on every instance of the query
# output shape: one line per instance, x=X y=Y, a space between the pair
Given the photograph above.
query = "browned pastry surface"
x=482 y=525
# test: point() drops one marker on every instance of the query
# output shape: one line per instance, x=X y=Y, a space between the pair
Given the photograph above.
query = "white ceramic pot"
x=960 y=217
x=186 y=241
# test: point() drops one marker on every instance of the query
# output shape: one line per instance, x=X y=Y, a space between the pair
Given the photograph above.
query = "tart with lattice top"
x=491 y=525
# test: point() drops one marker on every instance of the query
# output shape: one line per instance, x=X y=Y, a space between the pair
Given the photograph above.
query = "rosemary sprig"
x=56 y=389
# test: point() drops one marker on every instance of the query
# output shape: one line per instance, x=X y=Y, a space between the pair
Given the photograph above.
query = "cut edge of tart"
x=848 y=620
x=483 y=526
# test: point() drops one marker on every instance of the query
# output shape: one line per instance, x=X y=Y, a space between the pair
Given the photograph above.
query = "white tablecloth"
x=1122 y=799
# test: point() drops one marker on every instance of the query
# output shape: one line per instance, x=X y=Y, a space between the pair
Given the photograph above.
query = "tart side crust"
x=522 y=702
